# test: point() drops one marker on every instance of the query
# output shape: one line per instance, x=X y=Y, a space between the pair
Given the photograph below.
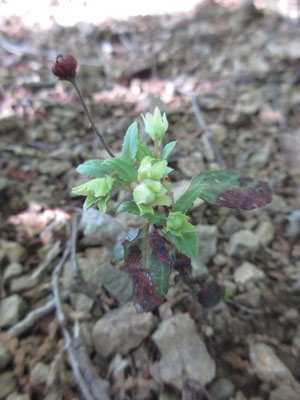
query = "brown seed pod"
x=65 y=67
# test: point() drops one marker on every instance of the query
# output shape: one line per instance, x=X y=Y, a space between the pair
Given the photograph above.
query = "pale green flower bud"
x=145 y=169
x=149 y=194
x=177 y=223
x=143 y=195
x=98 y=189
x=156 y=125
x=152 y=169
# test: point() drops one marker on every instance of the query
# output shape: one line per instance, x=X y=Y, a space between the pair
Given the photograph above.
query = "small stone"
x=261 y=157
x=7 y=384
x=293 y=226
x=251 y=299
x=98 y=228
x=18 y=396
x=285 y=392
x=191 y=165
x=183 y=354
x=122 y=330
x=11 y=310
x=81 y=302
x=22 y=283
x=54 y=169
x=243 y=244
x=232 y=224
x=207 y=235
x=13 y=269
x=5 y=355
x=39 y=374
x=11 y=250
x=265 y=232
x=222 y=389
x=266 y=363
x=248 y=272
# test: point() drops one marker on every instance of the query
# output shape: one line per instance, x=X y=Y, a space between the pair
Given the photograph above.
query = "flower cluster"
x=156 y=125
x=96 y=190
x=177 y=223
x=150 y=191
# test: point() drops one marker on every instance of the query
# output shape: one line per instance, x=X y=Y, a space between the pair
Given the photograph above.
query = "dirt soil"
x=228 y=75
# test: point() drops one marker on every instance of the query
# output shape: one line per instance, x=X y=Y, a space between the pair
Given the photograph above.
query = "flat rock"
x=18 y=396
x=266 y=363
x=183 y=353
x=39 y=374
x=7 y=384
x=222 y=389
x=11 y=250
x=13 y=269
x=243 y=244
x=248 y=272
x=265 y=232
x=207 y=235
x=98 y=228
x=122 y=330
x=11 y=310
x=283 y=392
x=5 y=355
x=97 y=273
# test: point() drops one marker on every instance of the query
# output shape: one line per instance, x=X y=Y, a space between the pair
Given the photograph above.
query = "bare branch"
x=86 y=111
x=206 y=132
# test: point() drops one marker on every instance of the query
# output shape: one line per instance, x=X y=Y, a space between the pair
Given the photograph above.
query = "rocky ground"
x=229 y=83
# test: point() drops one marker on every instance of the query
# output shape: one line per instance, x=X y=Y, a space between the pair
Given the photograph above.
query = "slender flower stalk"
x=65 y=69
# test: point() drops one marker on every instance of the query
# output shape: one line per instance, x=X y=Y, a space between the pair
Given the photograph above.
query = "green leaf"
x=89 y=201
x=124 y=170
x=232 y=189
x=130 y=143
x=186 y=200
x=168 y=149
x=129 y=207
x=142 y=150
x=94 y=169
x=157 y=218
x=186 y=244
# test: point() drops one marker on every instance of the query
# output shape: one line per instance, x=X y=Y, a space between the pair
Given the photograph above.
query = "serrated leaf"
x=94 y=169
x=186 y=244
x=168 y=150
x=123 y=169
x=142 y=150
x=129 y=207
x=149 y=260
x=232 y=189
x=187 y=199
x=130 y=143
x=89 y=201
x=157 y=218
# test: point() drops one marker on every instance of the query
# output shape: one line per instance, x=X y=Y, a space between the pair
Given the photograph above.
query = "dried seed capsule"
x=65 y=67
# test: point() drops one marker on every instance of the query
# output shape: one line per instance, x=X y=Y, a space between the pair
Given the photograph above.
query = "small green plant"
x=167 y=241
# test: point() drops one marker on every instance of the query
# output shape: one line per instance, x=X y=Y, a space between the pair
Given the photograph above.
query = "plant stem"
x=155 y=150
x=86 y=111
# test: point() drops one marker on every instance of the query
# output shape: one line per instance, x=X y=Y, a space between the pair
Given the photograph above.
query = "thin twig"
x=206 y=131
x=244 y=308
x=86 y=111
x=62 y=322
x=33 y=316
x=75 y=270
x=98 y=387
